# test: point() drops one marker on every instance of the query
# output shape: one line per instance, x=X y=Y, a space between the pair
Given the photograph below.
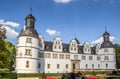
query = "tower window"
x=106 y=50
x=18 y=41
x=28 y=52
x=106 y=58
x=16 y=52
x=28 y=40
x=27 y=64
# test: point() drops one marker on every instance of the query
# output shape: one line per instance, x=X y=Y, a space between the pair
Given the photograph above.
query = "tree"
x=117 y=51
x=7 y=51
x=2 y=32
x=7 y=54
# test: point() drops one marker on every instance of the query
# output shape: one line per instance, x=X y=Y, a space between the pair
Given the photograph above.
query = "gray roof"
x=77 y=41
x=107 y=44
x=48 y=47
x=106 y=33
x=28 y=31
x=30 y=17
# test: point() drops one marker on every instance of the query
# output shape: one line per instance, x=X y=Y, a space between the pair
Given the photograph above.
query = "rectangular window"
x=67 y=56
x=58 y=66
x=86 y=65
x=90 y=58
x=16 y=52
x=27 y=64
x=105 y=49
x=75 y=57
x=28 y=40
x=28 y=52
x=41 y=55
x=106 y=58
x=106 y=65
x=98 y=57
x=18 y=41
x=39 y=65
x=61 y=56
x=92 y=65
x=83 y=57
x=55 y=56
x=48 y=55
x=98 y=65
x=66 y=66
x=48 y=66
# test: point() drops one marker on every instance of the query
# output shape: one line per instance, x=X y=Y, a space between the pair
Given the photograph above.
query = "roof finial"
x=75 y=36
x=31 y=9
x=105 y=28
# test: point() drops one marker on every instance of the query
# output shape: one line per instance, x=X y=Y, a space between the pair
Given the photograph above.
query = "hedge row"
x=42 y=75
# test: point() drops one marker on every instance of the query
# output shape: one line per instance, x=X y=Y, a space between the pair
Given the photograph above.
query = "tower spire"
x=31 y=10
x=105 y=28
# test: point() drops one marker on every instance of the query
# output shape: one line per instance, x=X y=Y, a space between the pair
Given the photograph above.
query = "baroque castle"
x=35 y=55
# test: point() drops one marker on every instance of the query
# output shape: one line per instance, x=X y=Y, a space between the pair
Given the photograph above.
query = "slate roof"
x=28 y=31
x=30 y=17
x=107 y=44
x=48 y=47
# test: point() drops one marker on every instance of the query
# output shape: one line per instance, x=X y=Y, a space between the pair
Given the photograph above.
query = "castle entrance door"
x=75 y=65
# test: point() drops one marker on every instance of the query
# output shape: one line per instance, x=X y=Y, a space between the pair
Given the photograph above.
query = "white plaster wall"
x=22 y=42
x=53 y=65
x=21 y=65
x=22 y=50
x=89 y=62
x=22 y=58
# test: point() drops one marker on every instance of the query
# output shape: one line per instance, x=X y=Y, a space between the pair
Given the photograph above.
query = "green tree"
x=7 y=55
x=7 y=51
x=117 y=51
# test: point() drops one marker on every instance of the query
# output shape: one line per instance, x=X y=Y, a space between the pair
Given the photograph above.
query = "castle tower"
x=108 y=60
x=28 y=47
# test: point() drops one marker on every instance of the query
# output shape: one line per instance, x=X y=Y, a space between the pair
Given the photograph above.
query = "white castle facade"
x=35 y=55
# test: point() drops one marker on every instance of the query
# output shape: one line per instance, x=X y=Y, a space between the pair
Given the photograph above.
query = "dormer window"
x=57 y=44
x=55 y=47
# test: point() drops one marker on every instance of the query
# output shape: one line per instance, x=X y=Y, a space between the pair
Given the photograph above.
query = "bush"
x=8 y=75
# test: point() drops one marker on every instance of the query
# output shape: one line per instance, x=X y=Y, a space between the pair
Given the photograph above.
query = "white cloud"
x=9 y=26
x=100 y=40
x=9 y=23
x=10 y=33
x=63 y=1
x=52 y=32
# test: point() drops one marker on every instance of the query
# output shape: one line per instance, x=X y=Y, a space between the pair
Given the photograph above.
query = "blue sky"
x=83 y=19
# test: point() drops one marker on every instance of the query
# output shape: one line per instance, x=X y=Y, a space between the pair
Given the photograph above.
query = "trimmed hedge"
x=8 y=75
x=43 y=75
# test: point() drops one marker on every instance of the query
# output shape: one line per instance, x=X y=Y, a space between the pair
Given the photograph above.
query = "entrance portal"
x=75 y=65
